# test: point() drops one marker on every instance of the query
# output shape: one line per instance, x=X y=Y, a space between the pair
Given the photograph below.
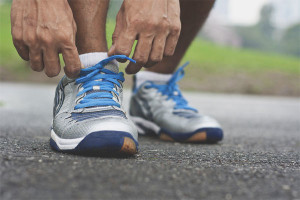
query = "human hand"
x=41 y=29
x=154 y=23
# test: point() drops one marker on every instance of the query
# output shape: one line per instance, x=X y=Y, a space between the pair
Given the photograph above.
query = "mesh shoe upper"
x=91 y=103
x=166 y=107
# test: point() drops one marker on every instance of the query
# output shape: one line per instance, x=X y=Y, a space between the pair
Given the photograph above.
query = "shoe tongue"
x=112 y=66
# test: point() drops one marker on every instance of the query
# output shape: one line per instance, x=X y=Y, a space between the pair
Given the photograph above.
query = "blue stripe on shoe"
x=104 y=141
x=54 y=145
x=100 y=141
x=97 y=114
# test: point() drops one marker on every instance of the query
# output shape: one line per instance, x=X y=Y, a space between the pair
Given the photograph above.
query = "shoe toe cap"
x=84 y=128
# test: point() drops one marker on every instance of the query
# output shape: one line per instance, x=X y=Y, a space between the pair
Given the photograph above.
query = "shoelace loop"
x=98 y=83
x=172 y=91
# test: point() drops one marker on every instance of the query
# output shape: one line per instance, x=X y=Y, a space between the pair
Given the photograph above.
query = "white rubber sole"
x=143 y=123
x=65 y=144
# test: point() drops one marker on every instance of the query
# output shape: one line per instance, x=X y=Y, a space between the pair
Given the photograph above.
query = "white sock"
x=91 y=59
x=157 y=78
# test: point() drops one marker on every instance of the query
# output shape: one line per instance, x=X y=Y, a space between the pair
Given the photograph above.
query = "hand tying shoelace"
x=172 y=91
x=98 y=83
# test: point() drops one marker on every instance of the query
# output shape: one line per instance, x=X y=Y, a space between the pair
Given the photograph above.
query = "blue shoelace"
x=105 y=79
x=172 y=91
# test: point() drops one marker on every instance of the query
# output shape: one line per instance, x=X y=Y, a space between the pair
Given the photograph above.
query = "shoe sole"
x=201 y=135
x=101 y=142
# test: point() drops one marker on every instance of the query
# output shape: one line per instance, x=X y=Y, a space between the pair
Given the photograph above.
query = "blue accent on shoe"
x=90 y=77
x=99 y=142
x=171 y=89
x=188 y=115
x=54 y=145
x=104 y=140
x=97 y=114
x=213 y=134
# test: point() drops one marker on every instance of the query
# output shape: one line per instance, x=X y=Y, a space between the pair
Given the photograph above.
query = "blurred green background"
x=259 y=64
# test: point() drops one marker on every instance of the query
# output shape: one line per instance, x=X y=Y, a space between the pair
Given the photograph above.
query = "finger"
x=157 y=51
x=111 y=50
x=35 y=59
x=17 y=29
x=22 y=50
x=118 y=28
x=73 y=64
x=175 y=27
x=124 y=43
x=171 y=43
x=172 y=40
x=51 y=62
x=141 y=55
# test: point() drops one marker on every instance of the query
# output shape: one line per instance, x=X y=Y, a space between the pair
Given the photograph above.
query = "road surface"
x=258 y=159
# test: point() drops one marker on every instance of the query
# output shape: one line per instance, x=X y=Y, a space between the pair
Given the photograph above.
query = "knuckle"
x=52 y=73
x=169 y=52
x=165 y=25
x=43 y=37
x=141 y=59
x=160 y=48
x=46 y=40
x=156 y=58
x=65 y=36
x=122 y=50
x=136 y=22
x=30 y=40
x=153 y=24
x=175 y=29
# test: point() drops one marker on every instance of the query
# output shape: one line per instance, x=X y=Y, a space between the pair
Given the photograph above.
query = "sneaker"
x=88 y=116
x=161 y=109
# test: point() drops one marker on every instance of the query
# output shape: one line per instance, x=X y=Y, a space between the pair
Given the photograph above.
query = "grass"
x=216 y=57
x=8 y=55
x=213 y=67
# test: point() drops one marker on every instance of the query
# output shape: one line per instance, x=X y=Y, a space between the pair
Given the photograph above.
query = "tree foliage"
x=262 y=36
x=290 y=42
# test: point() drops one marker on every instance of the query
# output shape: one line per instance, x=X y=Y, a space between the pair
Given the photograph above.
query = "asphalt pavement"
x=258 y=158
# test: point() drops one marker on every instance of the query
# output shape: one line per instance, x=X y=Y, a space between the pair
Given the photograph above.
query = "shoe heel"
x=144 y=126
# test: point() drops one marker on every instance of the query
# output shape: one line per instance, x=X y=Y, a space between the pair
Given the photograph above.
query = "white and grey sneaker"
x=88 y=116
x=161 y=109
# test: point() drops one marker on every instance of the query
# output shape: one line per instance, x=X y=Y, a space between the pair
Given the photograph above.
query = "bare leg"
x=90 y=17
x=193 y=16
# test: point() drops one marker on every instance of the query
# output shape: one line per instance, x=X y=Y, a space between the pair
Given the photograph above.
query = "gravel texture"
x=258 y=158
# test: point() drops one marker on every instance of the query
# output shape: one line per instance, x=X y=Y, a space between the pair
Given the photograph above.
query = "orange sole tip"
x=197 y=137
x=129 y=146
